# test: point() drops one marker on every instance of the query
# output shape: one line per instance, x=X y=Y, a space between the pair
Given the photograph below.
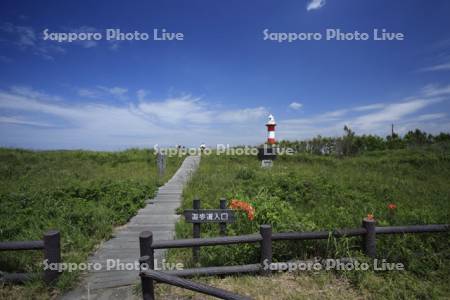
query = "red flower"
x=370 y=217
x=248 y=208
x=392 y=206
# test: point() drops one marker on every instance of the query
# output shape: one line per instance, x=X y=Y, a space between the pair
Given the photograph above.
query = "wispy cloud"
x=427 y=117
x=183 y=120
x=5 y=59
x=26 y=39
x=116 y=91
x=21 y=121
x=439 y=67
x=295 y=105
x=315 y=4
x=100 y=92
x=241 y=116
x=391 y=113
x=186 y=109
x=433 y=90
x=369 y=107
x=375 y=118
x=35 y=118
x=191 y=110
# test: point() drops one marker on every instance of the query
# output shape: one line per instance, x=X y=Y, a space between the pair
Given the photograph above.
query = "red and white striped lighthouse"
x=271 y=130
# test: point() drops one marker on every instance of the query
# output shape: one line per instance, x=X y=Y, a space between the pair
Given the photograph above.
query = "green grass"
x=306 y=192
x=83 y=194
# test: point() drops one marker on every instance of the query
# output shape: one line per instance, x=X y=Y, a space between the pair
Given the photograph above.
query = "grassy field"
x=83 y=194
x=309 y=192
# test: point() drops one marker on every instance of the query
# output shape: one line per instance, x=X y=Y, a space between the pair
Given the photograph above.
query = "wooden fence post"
x=148 y=292
x=148 y=257
x=196 y=232
x=52 y=253
x=266 y=248
x=223 y=226
x=161 y=164
x=370 y=242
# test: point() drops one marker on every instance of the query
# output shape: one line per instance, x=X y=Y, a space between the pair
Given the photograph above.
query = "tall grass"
x=83 y=194
x=307 y=192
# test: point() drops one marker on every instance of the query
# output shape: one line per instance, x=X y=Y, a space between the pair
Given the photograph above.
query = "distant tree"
x=394 y=141
x=417 y=138
x=442 y=137
x=348 y=142
x=369 y=143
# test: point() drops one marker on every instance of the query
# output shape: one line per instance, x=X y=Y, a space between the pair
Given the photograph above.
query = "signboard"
x=267 y=163
x=209 y=215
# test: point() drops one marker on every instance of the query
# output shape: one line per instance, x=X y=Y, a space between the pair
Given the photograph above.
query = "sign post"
x=197 y=216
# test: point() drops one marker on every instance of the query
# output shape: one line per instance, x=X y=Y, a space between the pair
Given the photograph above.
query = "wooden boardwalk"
x=157 y=216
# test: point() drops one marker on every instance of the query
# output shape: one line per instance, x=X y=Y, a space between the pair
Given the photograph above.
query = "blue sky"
x=220 y=82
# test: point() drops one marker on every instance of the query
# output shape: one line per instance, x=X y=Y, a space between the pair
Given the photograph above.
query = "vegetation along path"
x=157 y=216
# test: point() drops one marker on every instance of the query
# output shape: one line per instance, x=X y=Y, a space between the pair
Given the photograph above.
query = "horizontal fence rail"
x=412 y=229
x=286 y=236
x=51 y=246
x=216 y=271
x=215 y=241
x=190 y=285
x=22 y=245
x=17 y=277
x=265 y=237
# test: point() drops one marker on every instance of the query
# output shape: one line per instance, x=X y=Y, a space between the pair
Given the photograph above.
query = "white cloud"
x=89 y=93
x=25 y=38
x=190 y=120
x=374 y=118
x=116 y=91
x=32 y=93
x=177 y=120
x=103 y=92
x=391 y=113
x=22 y=121
x=332 y=115
x=369 y=107
x=427 y=117
x=315 y=4
x=241 y=115
x=440 y=67
x=433 y=90
x=295 y=105
x=141 y=94
x=176 y=110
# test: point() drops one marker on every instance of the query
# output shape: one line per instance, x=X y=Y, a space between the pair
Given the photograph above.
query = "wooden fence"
x=265 y=237
x=50 y=244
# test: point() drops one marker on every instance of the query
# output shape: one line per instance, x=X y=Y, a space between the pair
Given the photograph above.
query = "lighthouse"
x=268 y=152
x=271 y=130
